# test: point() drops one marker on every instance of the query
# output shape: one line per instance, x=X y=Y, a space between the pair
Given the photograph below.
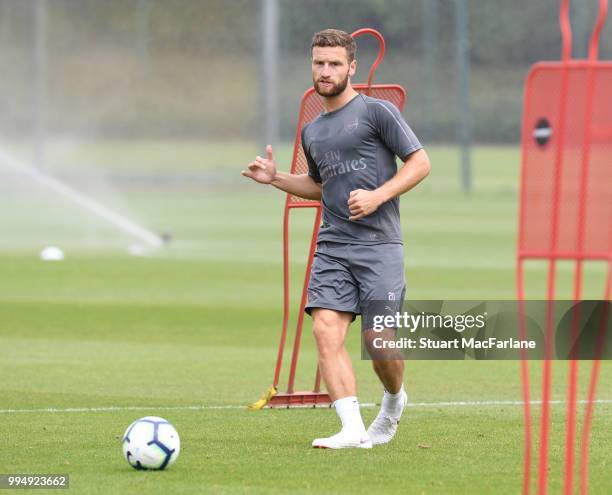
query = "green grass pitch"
x=190 y=334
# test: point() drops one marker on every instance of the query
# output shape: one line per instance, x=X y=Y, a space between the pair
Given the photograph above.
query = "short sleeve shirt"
x=351 y=148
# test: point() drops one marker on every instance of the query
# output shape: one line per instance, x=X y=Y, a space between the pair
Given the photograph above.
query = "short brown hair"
x=335 y=37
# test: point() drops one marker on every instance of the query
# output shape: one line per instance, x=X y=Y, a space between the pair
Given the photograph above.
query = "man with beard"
x=351 y=149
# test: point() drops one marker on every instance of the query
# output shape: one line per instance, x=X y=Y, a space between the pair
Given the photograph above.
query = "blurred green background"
x=152 y=108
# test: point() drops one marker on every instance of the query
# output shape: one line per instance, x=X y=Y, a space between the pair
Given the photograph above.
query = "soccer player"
x=351 y=149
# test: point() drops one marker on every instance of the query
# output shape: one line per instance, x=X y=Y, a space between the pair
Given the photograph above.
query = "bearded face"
x=329 y=88
x=331 y=70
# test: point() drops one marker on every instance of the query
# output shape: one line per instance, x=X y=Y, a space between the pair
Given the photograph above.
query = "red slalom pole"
x=588 y=412
x=547 y=373
x=573 y=366
x=524 y=378
x=599 y=23
x=573 y=371
x=546 y=385
x=572 y=386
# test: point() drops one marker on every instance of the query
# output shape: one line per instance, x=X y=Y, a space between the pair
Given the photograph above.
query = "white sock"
x=347 y=409
x=392 y=404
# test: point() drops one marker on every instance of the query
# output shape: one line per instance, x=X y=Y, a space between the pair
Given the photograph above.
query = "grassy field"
x=189 y=333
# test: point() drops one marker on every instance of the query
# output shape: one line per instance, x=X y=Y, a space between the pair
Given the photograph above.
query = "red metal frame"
x=381 y=51
x=567 y=66
x=292 y=398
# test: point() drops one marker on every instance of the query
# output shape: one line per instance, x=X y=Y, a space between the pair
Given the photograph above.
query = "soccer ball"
x=151 y=443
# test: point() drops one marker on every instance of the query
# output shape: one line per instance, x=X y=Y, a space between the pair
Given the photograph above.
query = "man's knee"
x=377 y=345
x=329 y=328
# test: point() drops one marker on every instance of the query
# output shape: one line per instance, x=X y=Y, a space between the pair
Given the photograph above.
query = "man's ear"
x=352 y=68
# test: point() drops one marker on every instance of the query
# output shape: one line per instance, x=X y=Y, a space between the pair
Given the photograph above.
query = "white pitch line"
x=212 y=407
x=499 y=403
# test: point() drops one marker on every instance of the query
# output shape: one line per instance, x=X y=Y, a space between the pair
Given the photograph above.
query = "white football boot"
x=346 y=439
x=383 y=428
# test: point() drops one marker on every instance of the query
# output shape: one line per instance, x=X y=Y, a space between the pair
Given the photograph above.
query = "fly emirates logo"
x=332 y=165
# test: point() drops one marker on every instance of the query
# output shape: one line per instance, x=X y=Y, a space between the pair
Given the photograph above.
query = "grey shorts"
x=350 y=277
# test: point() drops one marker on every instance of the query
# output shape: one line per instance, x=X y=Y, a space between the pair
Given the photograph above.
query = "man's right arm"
x=263 y=170
x=302 y=185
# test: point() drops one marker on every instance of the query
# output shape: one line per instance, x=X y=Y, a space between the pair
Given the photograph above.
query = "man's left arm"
x=416 y=167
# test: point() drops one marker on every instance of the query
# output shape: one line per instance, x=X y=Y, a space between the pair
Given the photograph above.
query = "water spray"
x=82 y=200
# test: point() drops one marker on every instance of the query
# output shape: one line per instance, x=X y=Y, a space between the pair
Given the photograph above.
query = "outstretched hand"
x=262 y=170
x=362 y=203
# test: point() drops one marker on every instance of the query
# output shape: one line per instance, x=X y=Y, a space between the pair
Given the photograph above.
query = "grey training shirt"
x=351 y=148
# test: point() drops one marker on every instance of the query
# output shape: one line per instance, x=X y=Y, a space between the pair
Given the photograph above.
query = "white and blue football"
x=151 y=443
